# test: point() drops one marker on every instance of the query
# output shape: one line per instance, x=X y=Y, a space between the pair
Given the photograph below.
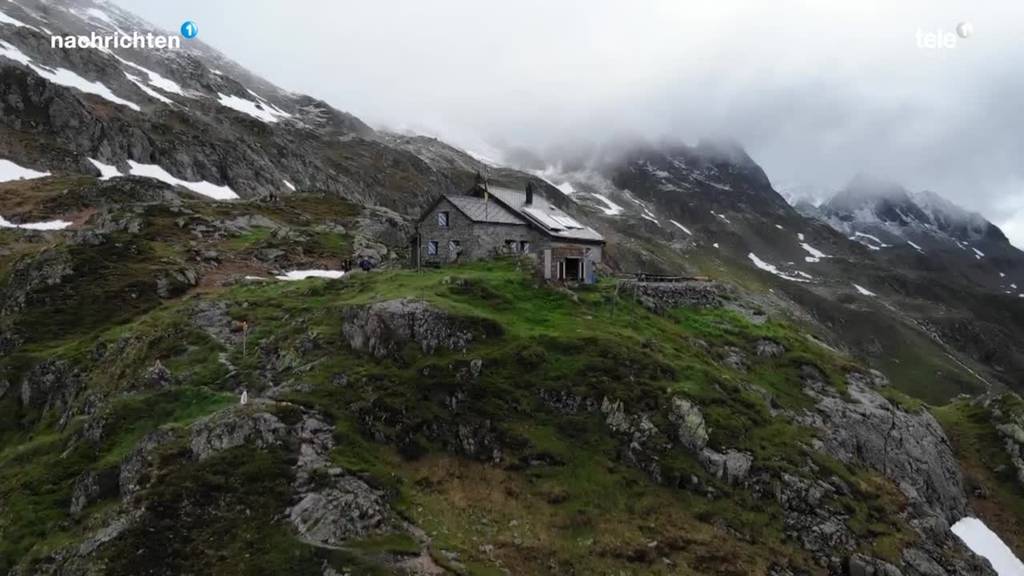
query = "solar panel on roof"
x=566 y=221
x=545 y=219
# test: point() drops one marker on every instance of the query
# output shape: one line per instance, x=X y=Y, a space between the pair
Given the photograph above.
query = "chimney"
x=529 y=193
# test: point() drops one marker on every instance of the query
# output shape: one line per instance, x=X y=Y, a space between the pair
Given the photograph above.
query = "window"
x=432 y=248
x=442 y=219
x=454 y=247
x=524 y=246
x=511 y=246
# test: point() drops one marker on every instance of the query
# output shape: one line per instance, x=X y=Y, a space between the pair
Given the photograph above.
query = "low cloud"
x=816 y=92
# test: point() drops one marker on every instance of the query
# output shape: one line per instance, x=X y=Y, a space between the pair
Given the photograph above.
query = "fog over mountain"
x=816 y=94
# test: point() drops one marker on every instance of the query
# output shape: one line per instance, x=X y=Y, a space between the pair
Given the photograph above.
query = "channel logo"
x=189 y=30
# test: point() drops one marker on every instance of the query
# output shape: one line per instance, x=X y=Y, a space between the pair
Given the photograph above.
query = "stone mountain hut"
x=489 y=221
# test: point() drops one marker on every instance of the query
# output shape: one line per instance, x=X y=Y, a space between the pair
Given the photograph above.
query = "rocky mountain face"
x=162 y=210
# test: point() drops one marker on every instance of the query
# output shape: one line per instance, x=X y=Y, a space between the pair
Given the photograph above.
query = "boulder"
x=245 y=425
x=769 y=348
x=691 y=430
x=732 y=466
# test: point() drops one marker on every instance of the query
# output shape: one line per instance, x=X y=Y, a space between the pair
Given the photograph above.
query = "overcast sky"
x=816 y=91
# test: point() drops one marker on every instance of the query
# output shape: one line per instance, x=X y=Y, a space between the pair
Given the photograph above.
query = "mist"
x=815 y=92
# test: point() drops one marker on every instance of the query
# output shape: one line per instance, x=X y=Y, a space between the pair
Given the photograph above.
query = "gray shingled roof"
x=516 y=200
x=480 y=211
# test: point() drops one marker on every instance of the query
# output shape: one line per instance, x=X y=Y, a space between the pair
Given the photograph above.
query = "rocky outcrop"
x=1013 y=442
x=52 y=386
x=661 y=296
x=93 y=486
x=383 y=329
x=691 y=430
x=246 y=426
x=332 y=505
x=731 y=466
x=909 y=448
x=863 y=428
x=136 y=466
x=47 y=268
x=769 y=348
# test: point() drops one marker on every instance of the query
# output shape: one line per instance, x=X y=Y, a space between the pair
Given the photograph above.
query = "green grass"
x=564 y=494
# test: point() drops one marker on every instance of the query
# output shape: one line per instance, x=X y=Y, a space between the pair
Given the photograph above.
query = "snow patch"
x=779 y=226
x=612 y=209
x=815 y=254
x=50 y=225
x=10 y=171
x=722 y=216
x=303 y=274
x=681 y=227
x=987 y=544
x=916 y=247
x=796 y=277
x=261 y=111
x=289 y=185
x=978 y=253
x=864 y=290
x=201 y=187
x=149 y=91
x=65 y=77
x=5 y=19
x=106 y=170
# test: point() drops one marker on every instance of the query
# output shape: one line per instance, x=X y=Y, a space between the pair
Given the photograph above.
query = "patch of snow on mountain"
x=987 y=544
x=800 y=236
x=106 y=170
x=303 y=274
x=289 y=185
x=10 y=171
x=50 y=225
x=1001 y=275
x=779 y=226
x=647 y=216
x=1014 y=286
x=774 y=270
x=5 y=19
x=149 y=91
x=201 y=187
x=65 y=77
x=872 y=242
x=260 y=111
x=864 y=290
x=916 y=247
x=722 y=216
x=154 y=79
x=681 y=227
x=978 y=253
x=815 y=254
x=612 y=209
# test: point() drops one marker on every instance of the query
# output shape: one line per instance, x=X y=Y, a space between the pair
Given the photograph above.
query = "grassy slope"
x=563 y=499
x=994 y=491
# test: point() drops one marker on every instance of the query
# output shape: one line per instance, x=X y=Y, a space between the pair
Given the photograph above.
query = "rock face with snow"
x=879 y=214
